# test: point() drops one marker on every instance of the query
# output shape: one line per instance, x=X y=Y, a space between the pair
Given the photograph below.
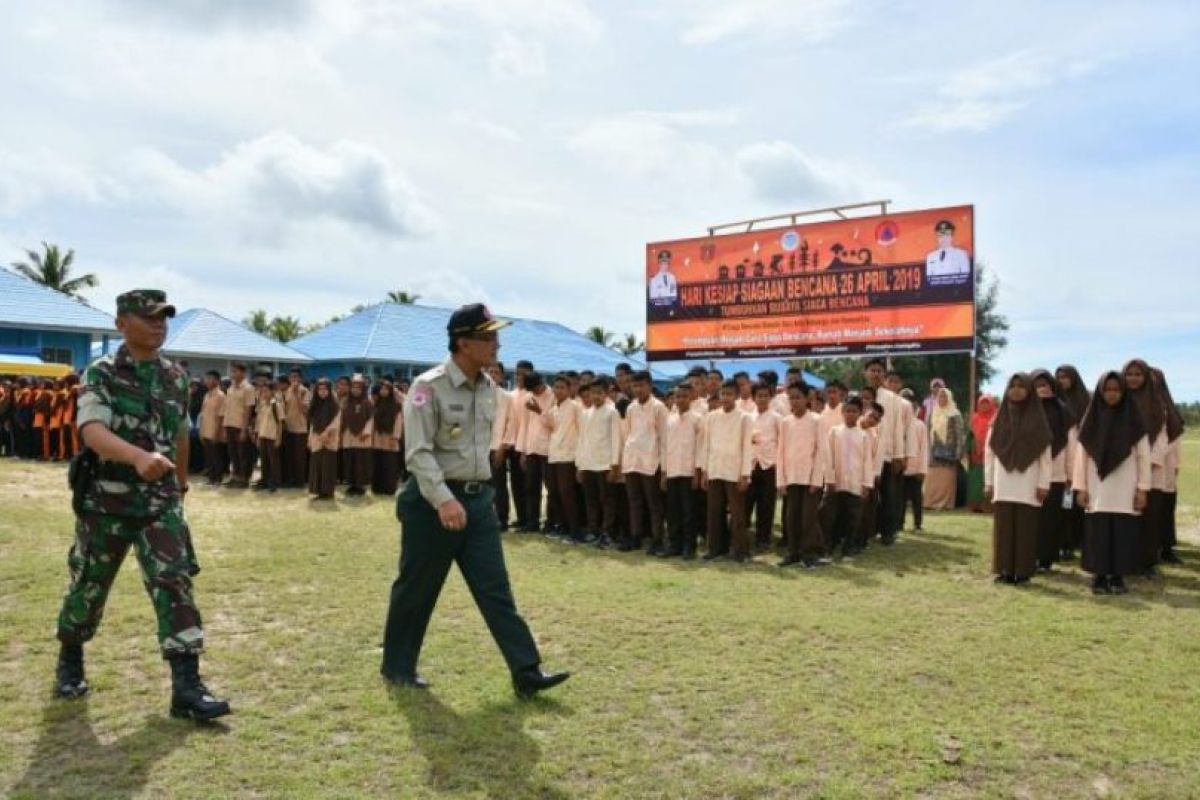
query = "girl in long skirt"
x=1111 y=480
x=358 y=418
x=947 y=443
x=1053 y=520
x=1145 y=395
x=1017 y=464
x=1174 y=426
x=324 y=435
x=389 y=425
x=1077 y=397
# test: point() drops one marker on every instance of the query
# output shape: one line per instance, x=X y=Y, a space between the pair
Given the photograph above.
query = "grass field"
x=859 y=680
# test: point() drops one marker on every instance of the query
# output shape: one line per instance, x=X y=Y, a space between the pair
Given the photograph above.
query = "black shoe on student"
x=69 y=679
x=1150 y=572
x=258 y=486
x=688 y=554
x=1169 y=556
x=816 y=563
x=1099 y=585
x=190 y=698
x=626 y=546
x=887 y=541
x=604 y=542
x=413 y=681
x=1116 y=585
x=532 y=680
x=1044 y=566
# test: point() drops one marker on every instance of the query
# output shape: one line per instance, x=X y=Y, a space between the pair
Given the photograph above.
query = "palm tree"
x=52 y=269
x=402 y=297
x=257 y=321
x=284 y=329
x=600 y=336
x=631 y=344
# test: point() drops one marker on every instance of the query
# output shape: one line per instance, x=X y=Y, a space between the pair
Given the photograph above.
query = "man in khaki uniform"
x=295 y=438
x=446 y=509
x=239 y=402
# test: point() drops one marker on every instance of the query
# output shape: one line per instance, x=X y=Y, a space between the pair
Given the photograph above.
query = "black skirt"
x=386 y=472
x=1014 y=539
x=1052 y=525
x=1111 y=544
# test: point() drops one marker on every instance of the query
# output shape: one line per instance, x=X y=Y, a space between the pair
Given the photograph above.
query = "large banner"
x=891 y=284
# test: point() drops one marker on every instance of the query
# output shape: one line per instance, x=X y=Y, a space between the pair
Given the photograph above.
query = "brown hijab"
x=1147 y=399
x=357 y=409
x=1020 y=433
x=1109 y=434
x=1174 y=420
x=387 y=407
x=1077 y=396
x=1058 y=416
x=322 y=410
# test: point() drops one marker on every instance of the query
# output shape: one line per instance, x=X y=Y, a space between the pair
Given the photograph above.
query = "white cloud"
x=779 y=172
x=205 y=14
x=984 y=95
x=272 y=185
x=809 y=21
x=654 y=145
x=31 y=177
x=489 y=127
x=514 y=57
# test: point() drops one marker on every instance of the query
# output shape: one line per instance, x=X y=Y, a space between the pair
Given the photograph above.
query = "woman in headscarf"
x=1053 y=521
x=1143 y=390
x=981 y=423
x=1076 y=396
x=931 y=400
x=947 y=443
x=324 y=434
x=389 y=424
x=358 y=438
x=1174 y=426
x=1017 y=464
x=1111 y=480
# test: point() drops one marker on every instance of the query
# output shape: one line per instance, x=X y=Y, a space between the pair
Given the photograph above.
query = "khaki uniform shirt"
x=238 y=402
x=295 y=403
x=448 y=430
x=212 y=411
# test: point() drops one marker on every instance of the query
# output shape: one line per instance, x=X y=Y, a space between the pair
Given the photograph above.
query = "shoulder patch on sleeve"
x=420 y=395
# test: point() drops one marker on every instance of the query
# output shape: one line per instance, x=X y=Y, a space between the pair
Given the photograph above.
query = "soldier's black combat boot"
x=189 y=696
x=69 y=681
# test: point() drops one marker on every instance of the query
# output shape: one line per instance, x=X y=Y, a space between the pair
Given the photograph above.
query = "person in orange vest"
x=43 y=408
x=68 y=437
x=53 y=443
x=7 y=416
x=23 y=419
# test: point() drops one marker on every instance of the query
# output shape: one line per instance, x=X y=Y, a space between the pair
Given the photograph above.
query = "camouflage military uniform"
x=145 y=404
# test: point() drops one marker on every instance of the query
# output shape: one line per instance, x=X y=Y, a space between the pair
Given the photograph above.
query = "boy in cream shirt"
x=727 y=456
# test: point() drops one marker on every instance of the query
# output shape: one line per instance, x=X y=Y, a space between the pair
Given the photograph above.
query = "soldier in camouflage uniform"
x=133 y=415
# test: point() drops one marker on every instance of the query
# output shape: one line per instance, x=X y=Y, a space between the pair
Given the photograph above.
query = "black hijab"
x=1077 y=396
x=1020 y=433
x=322 y=410
x=1058 y=416
x=1109 y=434
x=1174 y=420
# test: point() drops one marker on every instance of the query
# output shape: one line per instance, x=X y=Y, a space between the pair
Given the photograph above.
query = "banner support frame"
x=792 y=217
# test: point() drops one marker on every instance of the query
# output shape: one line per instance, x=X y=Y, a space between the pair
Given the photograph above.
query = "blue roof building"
x=205 y=340
x=36 y=321
x=406 y=340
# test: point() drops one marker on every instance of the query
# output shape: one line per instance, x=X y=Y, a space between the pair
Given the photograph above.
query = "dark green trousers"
x=426 y=552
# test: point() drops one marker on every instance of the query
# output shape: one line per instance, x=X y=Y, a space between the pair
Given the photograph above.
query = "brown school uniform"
x=295 y=435
x=239 y=401
x=212 y=413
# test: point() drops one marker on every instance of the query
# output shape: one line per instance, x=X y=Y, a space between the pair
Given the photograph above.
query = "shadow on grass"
x=1177 y=591
x=487 y=750
x=70 y=761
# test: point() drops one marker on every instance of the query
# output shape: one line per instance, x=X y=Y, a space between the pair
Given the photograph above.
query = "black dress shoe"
x=1169 y=556
x=532 y=680
x=1116 y=585
x=1099 y=585
x=406 y=681
x=69 y=680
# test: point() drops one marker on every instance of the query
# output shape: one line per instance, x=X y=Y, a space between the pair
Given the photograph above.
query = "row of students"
x=37 y=418
x=621 y=468
x=1111 y=471
x=300 y=437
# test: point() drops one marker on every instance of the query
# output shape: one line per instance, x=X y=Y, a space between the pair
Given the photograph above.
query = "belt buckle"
x=472 y=487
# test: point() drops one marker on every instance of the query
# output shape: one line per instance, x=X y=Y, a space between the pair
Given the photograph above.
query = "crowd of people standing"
x=704 y=467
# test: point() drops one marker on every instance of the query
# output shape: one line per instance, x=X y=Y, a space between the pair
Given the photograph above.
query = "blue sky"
x=307 y=155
